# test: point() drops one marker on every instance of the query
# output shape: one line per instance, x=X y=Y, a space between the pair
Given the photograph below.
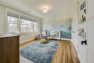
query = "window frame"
x=19 y=24
x=9 y=23
x=27 y=26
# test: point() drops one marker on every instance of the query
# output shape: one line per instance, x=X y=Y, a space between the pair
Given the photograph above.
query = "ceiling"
x=60 y=9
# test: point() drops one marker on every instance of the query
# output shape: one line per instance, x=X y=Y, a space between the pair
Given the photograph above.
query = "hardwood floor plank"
x=66 y=53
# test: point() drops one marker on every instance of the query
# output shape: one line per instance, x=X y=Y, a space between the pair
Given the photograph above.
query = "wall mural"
x=59 y=31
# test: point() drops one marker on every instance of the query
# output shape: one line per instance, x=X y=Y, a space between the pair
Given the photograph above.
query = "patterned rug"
x=40 y=53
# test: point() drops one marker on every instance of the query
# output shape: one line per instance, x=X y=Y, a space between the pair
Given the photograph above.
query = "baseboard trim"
x=26 y=43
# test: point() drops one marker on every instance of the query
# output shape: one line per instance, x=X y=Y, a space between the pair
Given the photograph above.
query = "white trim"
x=65 y=39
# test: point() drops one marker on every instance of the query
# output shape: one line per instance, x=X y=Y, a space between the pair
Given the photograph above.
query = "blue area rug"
x=40 y=53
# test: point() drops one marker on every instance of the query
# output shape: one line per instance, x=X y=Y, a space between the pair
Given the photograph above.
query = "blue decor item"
x=40 y=53
x=64 y=30
x=64 y=34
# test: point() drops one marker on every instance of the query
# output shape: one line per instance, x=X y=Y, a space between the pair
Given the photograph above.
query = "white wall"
x=90 y=31
x=86 y=53
x=90 y=10
x=2 y=19
x=76 y=39
x=26 y=37
x=91 y=41
x=81 y=49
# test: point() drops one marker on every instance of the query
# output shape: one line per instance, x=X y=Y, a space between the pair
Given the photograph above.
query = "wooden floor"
x=25 y=44
x=66 y=53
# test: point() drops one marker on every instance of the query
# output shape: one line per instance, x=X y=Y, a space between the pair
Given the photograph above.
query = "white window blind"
x=13 y=24
x=26 y=26
x=21 y=23
x=36 y=26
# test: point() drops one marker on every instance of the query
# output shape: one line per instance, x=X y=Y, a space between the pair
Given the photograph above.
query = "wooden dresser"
x=9 y=48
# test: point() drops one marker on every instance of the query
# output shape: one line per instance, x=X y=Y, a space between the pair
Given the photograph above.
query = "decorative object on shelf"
x=82 y=12
x=73 y=31
x=82 y=34
x=81 y=31
x=83 y=6
x=83 y=18
x=85 y=11
x=84 y=42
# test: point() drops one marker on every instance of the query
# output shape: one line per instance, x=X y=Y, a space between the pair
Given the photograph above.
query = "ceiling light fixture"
x=45 y=8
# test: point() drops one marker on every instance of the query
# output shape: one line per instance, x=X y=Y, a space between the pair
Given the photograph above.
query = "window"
x=35 y=26
x=12 y=24
x=23 y=25
x=26 y=26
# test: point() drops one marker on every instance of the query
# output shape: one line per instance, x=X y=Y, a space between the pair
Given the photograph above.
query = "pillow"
x=43 y=41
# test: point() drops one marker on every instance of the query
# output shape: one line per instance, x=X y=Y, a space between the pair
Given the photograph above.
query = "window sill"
x=26 y=32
